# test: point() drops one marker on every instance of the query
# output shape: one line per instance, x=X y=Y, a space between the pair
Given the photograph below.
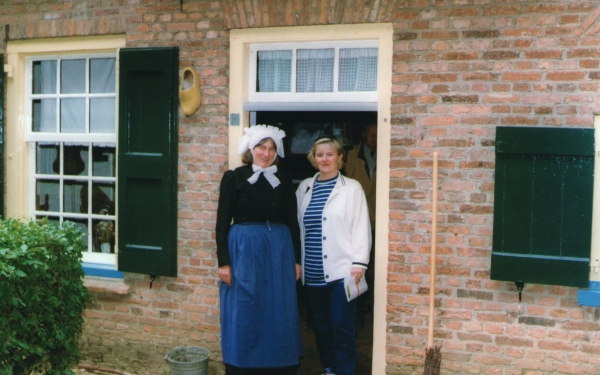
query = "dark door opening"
x=302 y=128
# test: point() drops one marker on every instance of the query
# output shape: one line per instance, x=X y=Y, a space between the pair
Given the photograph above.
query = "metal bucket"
x=188 y=360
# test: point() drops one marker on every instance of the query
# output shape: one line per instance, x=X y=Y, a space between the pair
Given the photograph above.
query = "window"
x=72 y=138
x=543 y=205
x=91 y=137
x=336 y=71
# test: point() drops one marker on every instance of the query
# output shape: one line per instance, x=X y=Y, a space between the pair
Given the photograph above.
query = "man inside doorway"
x=361 y=165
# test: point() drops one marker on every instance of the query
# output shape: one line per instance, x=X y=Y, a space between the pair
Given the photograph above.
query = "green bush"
x=42 y=297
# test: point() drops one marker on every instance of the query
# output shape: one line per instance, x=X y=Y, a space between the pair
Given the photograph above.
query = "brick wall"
x=460 y=69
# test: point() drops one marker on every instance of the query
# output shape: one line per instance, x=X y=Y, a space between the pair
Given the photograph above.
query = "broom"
x=433 y=356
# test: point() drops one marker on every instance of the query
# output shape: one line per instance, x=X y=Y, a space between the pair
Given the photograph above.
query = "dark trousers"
x=334 y=322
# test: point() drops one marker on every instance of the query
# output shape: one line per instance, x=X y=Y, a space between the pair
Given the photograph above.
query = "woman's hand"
x=357 y=273
x=225 y=274
x=298 y=271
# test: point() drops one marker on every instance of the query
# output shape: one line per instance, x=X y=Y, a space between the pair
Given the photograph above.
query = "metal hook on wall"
x=520 y=285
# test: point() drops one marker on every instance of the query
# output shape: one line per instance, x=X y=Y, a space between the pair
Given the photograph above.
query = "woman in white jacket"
x=336 y=241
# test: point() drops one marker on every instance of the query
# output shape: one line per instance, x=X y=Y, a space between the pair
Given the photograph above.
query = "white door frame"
x=238 y=119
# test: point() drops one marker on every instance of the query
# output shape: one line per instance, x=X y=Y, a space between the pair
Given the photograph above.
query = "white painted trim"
x=346 y=96
x=312 y=106
x=293 y=96
x=18 y=150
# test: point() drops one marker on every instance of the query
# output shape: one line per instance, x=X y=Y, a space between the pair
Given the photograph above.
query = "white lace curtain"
x=274 y=71
x=315 y=68
x=358 y=69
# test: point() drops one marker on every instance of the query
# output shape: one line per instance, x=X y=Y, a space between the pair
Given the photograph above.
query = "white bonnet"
x=257 y=133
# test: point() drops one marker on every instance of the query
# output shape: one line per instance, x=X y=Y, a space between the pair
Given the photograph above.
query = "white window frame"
x=86 y=138
x=19 y=158
x=308 y=97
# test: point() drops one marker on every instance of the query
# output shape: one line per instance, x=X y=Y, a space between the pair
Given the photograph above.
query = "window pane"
x=103 y=198
x=102 y=76
x=47 y=195
x=314 y=70
x=274 y=71
x=72 y=76
x=47 y=159
x=51 y=219
x=75 y=161
x=44 y=77
x=102 y=115
x=82 y=225
x=72 y=196
x=72 y=115
x=358 y=69
x=43 y=116
x=104 y=159
x=103 y=235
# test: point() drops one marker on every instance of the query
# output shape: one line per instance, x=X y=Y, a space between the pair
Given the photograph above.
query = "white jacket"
x=346 y=226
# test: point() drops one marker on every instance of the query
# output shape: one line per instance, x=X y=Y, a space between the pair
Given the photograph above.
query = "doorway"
x=302 y=128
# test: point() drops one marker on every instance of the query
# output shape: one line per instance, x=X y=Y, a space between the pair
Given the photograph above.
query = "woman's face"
x=263 y=155
x=327 y=159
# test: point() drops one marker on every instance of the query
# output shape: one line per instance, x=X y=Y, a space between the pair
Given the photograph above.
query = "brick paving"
x=310 y=365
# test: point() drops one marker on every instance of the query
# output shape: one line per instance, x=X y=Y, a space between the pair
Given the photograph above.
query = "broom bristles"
x=433 y=360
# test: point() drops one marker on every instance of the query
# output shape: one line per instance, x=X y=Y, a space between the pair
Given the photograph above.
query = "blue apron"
x=260 y=323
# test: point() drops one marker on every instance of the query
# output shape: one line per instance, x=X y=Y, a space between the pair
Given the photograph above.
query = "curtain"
x=274 y=71
x=358 y=69
x=314 y=70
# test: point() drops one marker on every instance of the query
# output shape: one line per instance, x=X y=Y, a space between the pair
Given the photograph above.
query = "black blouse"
x=259 y=202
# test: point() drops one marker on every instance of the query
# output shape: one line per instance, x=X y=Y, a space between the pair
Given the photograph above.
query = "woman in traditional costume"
x=258 y=249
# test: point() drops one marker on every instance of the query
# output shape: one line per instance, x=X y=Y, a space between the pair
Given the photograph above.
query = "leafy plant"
x=42 y=297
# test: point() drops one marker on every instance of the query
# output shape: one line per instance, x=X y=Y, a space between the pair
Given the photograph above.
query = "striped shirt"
x=313 y=228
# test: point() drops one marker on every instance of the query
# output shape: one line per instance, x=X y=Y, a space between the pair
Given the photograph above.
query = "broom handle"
x=433 y=241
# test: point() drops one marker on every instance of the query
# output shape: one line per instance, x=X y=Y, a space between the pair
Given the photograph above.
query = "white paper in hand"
x=354 y=289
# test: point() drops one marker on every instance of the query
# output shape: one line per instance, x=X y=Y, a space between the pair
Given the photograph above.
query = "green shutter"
x=543 y=205
x=2 y=142
x=147 y=161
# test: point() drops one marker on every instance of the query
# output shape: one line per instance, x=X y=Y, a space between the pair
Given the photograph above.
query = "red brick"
x=543 y=54
x=440 y=35
x=502 y=11
x=497 y=98
x=438 y=120
x=565 y=76
x=528 y=32
x=480 y=76
x=513 y=341
x=583 y=53
x=521 y=76
x=447 y=77
x=460 y=56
